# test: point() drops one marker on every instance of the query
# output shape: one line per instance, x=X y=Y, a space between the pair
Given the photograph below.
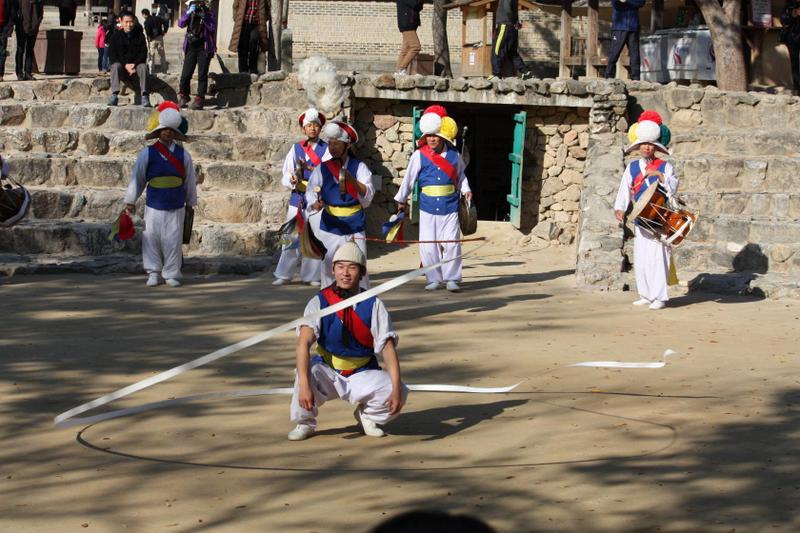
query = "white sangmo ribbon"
x=620 y=364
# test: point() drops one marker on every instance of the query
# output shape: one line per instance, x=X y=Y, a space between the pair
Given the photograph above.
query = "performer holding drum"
x=651 y=254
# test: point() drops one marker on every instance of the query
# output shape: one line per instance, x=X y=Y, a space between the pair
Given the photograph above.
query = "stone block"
x=33 y=170
x=48 y=89
x=546 y=230
x=86 y=116
x=15 y=139
x=235 y=177
x=47 y=116
x=571 y=177
x=49 y=203
x=480 y=84
x=128 y=118
x=442 y=84
x=127 y=142
x=229 y=208
x=98 y=172
x=383 y=121
x=571 y=194
x=425 y=82
x=55 y=140
x=404 y=83
x=459 y=84
x=215 y=147
x=76 y=90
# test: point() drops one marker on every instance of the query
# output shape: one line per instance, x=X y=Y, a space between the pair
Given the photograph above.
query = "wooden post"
x=566 y=39
x=591 y=39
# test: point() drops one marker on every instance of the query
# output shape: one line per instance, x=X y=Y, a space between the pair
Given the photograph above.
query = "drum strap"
x=639 y=181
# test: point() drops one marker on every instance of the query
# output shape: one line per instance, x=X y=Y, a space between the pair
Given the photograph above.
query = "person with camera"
x=154 y=29
x=790 y=36
x=199 y=47
x=127 y=55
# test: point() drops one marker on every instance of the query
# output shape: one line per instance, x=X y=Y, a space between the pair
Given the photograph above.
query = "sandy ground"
x=708 y=443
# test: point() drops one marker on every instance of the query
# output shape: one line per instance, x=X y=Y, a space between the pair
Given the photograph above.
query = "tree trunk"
x=441 y=49
x=724 y=21
x=276 y=22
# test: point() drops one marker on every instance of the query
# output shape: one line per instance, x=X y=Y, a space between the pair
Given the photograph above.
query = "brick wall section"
x=369 y=29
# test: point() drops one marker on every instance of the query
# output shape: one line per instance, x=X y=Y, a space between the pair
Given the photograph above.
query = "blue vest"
x=430 y=174
x=300 y=155
x=331 y=196
x=636 y=170
x=330 y=331
x=164 y=198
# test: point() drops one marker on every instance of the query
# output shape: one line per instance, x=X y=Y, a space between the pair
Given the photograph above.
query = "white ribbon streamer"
x=620 y=364
x=254 y=392
x=233 y=348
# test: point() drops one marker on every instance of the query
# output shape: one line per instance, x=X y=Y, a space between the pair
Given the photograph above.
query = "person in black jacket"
x=29 y=16
x=505 y=39
x=790 y=36
x=155 y=28
x=408 y=22
x=127 y=55
x=8 y=16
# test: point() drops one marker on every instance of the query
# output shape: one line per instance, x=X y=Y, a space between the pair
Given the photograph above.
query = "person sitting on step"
x=127 y=55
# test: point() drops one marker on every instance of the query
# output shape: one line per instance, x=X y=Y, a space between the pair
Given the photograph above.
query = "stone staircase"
x=737 y=155
x=75 y=155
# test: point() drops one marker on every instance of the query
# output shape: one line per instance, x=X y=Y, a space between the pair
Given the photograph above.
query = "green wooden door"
x=514 y=198
x=414 y=215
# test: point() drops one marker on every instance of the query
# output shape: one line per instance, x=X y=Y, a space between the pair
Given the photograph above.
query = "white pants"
x=161 y=242
x=651 y=264
x=440 y=228
x=369 y=388
x=290 y=257
x=331 y=241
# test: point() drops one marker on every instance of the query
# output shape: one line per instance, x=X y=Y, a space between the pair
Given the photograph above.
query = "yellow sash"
x=339 y=211
x=165 y=182
x=438 y=190
x=342 y=363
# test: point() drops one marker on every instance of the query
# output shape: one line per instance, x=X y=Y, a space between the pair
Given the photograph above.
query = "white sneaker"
x=173 y=282
x=301 y=432
x=314 y=283
x=432 y=286
x=657 y=304
x=452 y=286
x=281 y=281
x=370 y=428
x=152 y=279
x=641 y=301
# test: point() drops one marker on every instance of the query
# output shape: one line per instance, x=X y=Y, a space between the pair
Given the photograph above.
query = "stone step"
x=737 y=174
x=206 y=145
x=106 y=204
x=725 y=257
x=780 y=141
x=225 y=90
x=251 y=120
x=777 y=206
x=21 y=265
x=40 y=169
x=89 y=238
x=740 y=230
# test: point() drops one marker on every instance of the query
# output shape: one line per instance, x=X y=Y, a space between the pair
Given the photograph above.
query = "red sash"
x=441 y=163
x=163 y=150
x=335 y=166
x=311 y=154
x=350 y=319
x=638 y=181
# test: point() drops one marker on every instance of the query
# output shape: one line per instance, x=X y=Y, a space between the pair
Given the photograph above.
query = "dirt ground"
x=707 y=443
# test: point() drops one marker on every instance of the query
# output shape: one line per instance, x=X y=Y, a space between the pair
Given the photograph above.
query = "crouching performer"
x=345 y=364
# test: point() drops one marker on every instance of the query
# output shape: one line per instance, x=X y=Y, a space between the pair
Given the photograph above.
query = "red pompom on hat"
x=168 y=104
x=650 y=115
x=437 y=109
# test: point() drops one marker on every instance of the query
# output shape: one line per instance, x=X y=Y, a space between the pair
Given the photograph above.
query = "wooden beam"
x=591 y=38
x=566 y=39
x=657 y=16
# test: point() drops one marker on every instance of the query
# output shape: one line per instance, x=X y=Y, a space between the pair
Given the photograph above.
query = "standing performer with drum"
x=651 y=257
x=300 y=162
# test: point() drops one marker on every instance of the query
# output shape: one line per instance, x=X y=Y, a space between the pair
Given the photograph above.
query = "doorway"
x=485 y=138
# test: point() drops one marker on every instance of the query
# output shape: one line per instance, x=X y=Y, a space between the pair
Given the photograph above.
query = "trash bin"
x=422 y=64
x=58 y=51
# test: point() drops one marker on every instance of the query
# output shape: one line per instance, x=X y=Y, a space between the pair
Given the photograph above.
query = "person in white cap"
x=166 y=170
x=345 y=364
x=440 y=170
x=300 y=162
x=651 y=258
x=341 y=188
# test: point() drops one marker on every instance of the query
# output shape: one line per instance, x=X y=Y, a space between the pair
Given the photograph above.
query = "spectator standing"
x=66 y=12
x=505 y=40
x=8 y=15
x=790 y=36
x=100 y=44
x=127 y=54
x=29 y=17
x=251 y=32
x=625 y=32
x=154 y=30
x=408 y=21
x=199 y=47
